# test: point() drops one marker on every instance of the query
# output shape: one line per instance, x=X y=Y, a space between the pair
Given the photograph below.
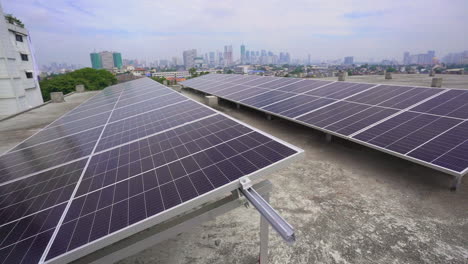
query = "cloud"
x=67 y=31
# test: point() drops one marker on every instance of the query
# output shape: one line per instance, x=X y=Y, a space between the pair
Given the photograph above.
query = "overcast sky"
x=68 y=30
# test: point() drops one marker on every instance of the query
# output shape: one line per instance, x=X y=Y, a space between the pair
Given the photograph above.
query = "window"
x=24 y=57
x=29 y=75
x=19 y=38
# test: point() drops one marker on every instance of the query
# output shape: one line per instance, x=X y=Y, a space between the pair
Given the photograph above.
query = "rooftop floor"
x=348 y=204
x=448 y=80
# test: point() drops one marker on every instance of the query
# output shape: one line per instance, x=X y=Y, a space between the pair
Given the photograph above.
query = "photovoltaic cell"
x=129 y=154
x=398 y=119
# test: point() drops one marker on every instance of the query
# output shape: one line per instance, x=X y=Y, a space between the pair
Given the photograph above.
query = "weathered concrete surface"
x=349 y=204
x=450 y=80
x=20 y=127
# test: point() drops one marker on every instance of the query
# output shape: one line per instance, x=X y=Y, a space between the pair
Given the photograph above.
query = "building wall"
x=117 y=56
x=17 y=91
x=96 y=61
x=107 y=59
x=189 y=58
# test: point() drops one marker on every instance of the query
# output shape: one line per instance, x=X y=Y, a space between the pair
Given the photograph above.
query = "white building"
x=19 y=88
x=189 y=58
x=107 y=59
x=179 y=74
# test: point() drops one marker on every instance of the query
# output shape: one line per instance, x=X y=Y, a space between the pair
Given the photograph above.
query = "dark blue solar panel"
x=455 y=159
x=67 y=129
x=332 y=113
x=182 y=164
x=244 y=94
x=134 y=150
x=304 y=86
x=26 y=161
x=361 y=120
x=314 y=104
x=266 y=98
x=340 y=90
x=375 y=112
x=442 y=144
x=452 y=103
x=407 y=131
x=410 y=97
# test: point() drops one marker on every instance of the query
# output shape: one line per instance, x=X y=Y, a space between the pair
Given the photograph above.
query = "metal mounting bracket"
x=283 y=228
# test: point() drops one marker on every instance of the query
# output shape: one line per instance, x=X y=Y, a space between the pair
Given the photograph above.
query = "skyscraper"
x=189 y=58
x=117 y=56
x=106 y=60
x=212 y=58
x=406 y=58
x=96 y=60
x=228 y=55
x=349 y=60
x=243 y=57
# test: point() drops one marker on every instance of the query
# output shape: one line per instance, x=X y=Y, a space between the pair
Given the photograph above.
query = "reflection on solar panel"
x=132 y=156
x=425 y=125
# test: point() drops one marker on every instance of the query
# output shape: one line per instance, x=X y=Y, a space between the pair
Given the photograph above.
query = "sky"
x=68 y=30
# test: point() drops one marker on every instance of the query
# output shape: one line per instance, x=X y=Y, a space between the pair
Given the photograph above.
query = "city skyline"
x=68 y=31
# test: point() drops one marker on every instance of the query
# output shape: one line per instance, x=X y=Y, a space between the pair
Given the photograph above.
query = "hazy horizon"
x=149 y=30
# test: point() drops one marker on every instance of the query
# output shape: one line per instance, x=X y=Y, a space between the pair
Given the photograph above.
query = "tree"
x=193 y=72
x=159 y=79
x=14 y=20
x=391 y=69
x=229 y=71
x=92 y=79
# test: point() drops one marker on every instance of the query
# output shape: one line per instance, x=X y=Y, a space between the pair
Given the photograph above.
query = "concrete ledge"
x=436 y=82
x=211 y=101
x=32 y=108
x=80 y=88
x=57 y=97
x=177 y=88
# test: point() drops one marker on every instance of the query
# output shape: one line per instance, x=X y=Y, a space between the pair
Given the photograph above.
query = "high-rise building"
x=96 y=60
x=189 y=58
x=228 y=55
x=19 y=87
x=106 y=60
x=243 y=57
x=406 y=58
x=349 y=60
x=212 y=58
x=420 y=59
x=117 y=56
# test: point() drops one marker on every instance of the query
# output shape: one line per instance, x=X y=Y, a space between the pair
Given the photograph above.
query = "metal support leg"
x=264 y=233
x=238 y=106
x=328 y=137
x=268 y=117
x=456 y=182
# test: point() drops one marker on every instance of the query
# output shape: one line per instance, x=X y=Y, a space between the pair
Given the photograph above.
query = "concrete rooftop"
x=348 y=204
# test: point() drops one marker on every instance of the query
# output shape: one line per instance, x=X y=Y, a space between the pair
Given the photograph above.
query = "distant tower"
x=243 y=58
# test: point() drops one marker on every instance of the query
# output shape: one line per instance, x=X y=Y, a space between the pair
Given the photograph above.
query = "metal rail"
x=283 y=228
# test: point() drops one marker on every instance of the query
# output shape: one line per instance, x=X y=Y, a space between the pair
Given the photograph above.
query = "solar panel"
x=420 y=124
x=92 y=178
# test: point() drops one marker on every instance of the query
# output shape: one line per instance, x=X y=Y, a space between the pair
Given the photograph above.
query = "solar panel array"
x=118 y=163
x=425 y=125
